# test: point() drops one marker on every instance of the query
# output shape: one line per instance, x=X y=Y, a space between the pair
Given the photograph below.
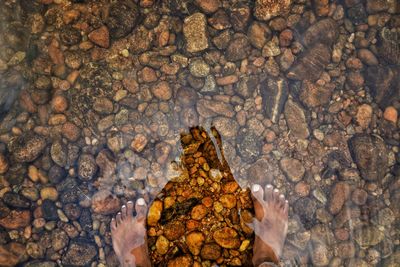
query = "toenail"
x=286 y=201
x=281 y=196
x=269 y=186
x=141 y=202
x=123 y=206
x=276 y=190
x=130 y=202
x=119 y=213
x=256 y=188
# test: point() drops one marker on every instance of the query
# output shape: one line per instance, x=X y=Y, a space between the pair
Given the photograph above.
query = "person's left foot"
x=129 y=235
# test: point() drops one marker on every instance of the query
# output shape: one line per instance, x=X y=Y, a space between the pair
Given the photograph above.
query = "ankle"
x=264 y=253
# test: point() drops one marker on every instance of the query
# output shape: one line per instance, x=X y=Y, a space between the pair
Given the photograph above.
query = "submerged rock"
x=311 y=64
x=370 y=154
x=123 y=17
x=27 y=147
x=296 y=120
x=79 y=253
x=274 y=94
x=324 y=31
x=267 y=9
x=384 y=84
x=194 y=30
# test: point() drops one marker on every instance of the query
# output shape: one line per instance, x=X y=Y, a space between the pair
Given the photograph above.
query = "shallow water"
x=97 y=100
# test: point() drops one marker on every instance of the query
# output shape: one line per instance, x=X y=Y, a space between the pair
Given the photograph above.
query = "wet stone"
x=259 y=34
x=59 y=239
x=296 y=120
x=58 y=153
x=357 y=14
x=103 y=105
x=238 y=49
x=56 y=174
x=311 y=63
x=248 y=145
x=267 y=9
x=87 y=167
x=368 y=236
x=104 y=202
x=15 y=200
x=16 y=219
x=199 y=68
x=79 y=253
x=27 y=147
x=292 y=168
x=388 y=45
x=305 y=207
x=49 y=210
x=370 y=154
x=382 y=80
x=226 y=127
x=274 y=94
x=339 y=195
x=100 y=37
x=123 y=17
x=194 y=30
x=313 y=95
x=324 y=31
x=70 y=36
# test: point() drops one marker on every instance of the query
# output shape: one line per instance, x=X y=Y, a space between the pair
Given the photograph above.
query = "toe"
x=276 y=196
x=129 y=209
x=123 y=212
x=286 y=209
x=282 y=201
x=119 y=218
x=113 y=225
x=141 y=209
x=268 y=193
x=258 y=200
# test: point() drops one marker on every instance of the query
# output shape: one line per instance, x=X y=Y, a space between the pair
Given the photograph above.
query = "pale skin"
x=270 y=226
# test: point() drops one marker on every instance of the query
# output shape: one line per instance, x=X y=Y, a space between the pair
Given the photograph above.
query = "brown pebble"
x=342 y=234
x=100 y=36
x=391 y=114
x=302 y=189
x=71 y=131
x=162 y=91
x=59 y=103
x=227 y=80
x=359 y=196
x=3 y=164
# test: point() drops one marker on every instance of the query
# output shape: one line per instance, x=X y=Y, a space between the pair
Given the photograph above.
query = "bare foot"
x=270 y=224
x=129 y=235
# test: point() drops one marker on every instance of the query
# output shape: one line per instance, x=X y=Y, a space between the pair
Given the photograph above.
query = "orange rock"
x=12 y=254
x=195 y=241
x=100 y=36
x=59 y=103
x=3 y=164
x=16 y=219
x=227 y=238
x=391 y=114
x=364 y=115
x=71 y=131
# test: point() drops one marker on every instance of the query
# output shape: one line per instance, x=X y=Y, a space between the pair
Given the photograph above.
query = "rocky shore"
x=94 y=97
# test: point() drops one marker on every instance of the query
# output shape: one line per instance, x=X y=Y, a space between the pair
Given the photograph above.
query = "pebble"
x=296 y=120
x=162 y=91
x=49 y=193
x=27 y=147
x=199 y=68
x=266 y=9
x=59 y=103
x=100 y=37
x=292 y=168
x=3 y=164
x=367 y=57
x=391 y=114
x=339 y=194
x=87 y=167
x=194 y=30
x=364 y=115
x=104 y=202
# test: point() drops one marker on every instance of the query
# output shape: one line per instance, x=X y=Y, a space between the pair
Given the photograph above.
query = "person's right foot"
x=270 y=224
x=129 y=235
